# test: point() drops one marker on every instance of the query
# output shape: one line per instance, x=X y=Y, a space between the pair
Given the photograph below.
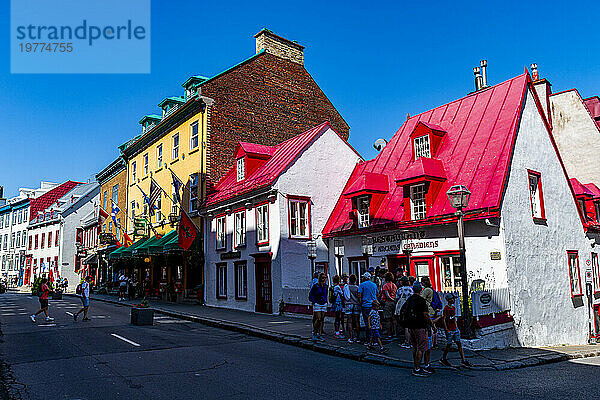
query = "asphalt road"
x=182 y=360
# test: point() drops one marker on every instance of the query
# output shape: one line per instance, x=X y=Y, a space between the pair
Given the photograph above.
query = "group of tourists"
x=389 y=308
x=83 y=290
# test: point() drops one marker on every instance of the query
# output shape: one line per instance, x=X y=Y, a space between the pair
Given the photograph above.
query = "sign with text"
x=395 y=243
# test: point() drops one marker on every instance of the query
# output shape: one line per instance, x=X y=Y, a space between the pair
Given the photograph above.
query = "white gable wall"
x=536 y=254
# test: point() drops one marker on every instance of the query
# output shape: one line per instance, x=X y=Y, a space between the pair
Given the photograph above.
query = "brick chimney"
x=278 y=46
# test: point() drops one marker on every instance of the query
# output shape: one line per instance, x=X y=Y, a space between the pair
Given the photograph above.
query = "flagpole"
x=172 y=201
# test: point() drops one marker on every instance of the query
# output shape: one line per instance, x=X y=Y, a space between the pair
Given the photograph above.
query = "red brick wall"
x=265 y=101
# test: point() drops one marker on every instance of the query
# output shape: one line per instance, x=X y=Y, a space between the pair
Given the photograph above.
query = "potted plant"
x=142 y=314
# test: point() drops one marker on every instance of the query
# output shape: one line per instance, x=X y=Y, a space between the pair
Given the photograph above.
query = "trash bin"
x=142 y=316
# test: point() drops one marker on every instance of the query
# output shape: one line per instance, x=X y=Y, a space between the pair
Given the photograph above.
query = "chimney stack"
x=534 y=72
x=483 y=64
x=543 y=89
x=478 y=79
x=279 y=46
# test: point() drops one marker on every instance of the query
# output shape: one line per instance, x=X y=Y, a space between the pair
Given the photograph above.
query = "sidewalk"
x=297 y=331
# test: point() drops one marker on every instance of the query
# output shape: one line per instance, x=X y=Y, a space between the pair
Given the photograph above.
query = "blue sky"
x=376 y=63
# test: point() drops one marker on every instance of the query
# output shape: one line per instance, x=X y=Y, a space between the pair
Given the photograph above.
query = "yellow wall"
x=188 y=162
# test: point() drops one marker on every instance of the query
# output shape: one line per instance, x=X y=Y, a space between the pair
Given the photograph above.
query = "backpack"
x=407 y=316
x=436 y=303
x=78 y=289
x=332 y=296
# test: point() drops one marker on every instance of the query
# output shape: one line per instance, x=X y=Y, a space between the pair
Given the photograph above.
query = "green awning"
x=127 y=252
x=157 y=247
x=142 y=249
x=117 y=253
x=172 y=244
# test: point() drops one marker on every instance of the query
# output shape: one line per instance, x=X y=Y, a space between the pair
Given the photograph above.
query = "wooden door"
x=264 y=301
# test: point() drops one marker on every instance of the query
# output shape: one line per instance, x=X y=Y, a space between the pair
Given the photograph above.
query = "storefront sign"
x=495 y=255
x=231 y=255
x=394 y=243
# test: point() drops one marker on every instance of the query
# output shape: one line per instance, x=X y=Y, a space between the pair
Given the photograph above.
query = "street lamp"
x=312 y=254
x=459 y=196
x=173 y=219
x=338 y=250
x=367 y=245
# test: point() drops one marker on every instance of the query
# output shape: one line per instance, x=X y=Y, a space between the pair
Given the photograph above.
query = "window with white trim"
x=239 y=238
x=299 y=219
x=221 y=232
x=418 y=205
x=241 y=169
x=145 y=158
x=362 y=211
x=18 y=243
x=133 y=210
x=159 y=154
x=536 y=196
x=175 y=146
x=174 y=209
x=193 y=192
x=422 y=147
x=133 y=171
x=241 y=280
x=158 y=213
x=221 y=281
x=596 y=272
x=262 y=223
x=574 y=272
x=194 y=135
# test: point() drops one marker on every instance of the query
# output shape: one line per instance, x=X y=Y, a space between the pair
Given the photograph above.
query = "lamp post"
x=459 y=196
x=312 y=254
x=367 y=246
x=338 y=250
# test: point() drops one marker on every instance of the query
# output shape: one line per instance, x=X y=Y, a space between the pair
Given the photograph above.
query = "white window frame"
x=241 y=168
x=175 y=145
x=298 y=220
x=239 y=233
x=363 y=210
x=418 y=202
x=133 y=211
x=422 y=147
x=194 y=142
x=18 y=241
x=115 y=194
x=174 y=209
x=221 y=232
x=241 y=280
x=158 y=212
x=535 y=194
x=159 y=156
x=262 y=223
x=194 y=193
x=145 y=159
x=133 y=172
x=221 y=281
x=574 y=273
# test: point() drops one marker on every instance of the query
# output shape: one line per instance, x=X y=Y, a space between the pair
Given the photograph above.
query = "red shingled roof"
x=282 y=155
x=480 y=131
x=48 y=198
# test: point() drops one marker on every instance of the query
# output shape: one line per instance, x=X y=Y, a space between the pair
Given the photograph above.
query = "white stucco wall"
x=576 y=136
x=319 y=173
x=538 y=273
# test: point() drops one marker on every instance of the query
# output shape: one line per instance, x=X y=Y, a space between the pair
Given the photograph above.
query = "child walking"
x=452 y=332
x=374 y=324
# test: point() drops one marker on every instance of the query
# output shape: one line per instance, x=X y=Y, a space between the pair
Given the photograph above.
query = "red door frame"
x=260 y=263
x=430 y=261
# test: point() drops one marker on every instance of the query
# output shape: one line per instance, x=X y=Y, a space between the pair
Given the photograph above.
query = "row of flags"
x=187 y=229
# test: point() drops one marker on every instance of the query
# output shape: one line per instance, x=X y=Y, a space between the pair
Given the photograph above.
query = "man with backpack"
x=84 y=291
x=414 y=315
x=43 y=298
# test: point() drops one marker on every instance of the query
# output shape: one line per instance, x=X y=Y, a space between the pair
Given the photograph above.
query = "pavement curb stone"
x=299 y=341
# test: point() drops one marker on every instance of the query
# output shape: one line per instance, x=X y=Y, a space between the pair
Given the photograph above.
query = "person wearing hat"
x=452 y=332
x=402 y=294
x=415 y=317
x=367 y=293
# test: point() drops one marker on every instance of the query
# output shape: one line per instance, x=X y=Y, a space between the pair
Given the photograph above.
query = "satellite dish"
x=379 y=144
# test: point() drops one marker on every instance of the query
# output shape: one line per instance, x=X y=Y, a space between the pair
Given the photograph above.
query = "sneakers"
x=350 y=340
x=466 y=363
x=419 y=372
x=85 y=319
x=315 y=338
x=75 y=317
x=428 y=369
x=445 y=362
x=405 y=345
x=32 y=317
x=383 y=350
x=49 y=319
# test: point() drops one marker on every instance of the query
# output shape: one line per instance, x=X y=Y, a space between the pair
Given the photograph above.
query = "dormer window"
x=418 y=205
x=597 y=207
x=581 y=203
x=362 y=211
x=422 y=147
x=241 y=169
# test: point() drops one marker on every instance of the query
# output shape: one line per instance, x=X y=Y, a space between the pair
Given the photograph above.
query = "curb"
x=371 y=358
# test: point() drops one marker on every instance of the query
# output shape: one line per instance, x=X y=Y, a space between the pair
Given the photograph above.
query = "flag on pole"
x=187 y=232
x=155 y=191
x=127 y=240
x=102 y=215
x=115 y=210
x=177 y=184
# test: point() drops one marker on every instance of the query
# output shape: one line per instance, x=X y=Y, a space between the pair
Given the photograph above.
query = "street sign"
x=139 y=227
x=589 y=277
x=495 y=255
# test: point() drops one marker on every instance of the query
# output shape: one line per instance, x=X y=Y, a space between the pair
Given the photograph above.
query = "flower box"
x=142 y=316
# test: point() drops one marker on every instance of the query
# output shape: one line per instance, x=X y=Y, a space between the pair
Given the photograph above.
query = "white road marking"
x=70 y=313
x=280 y=322
x=46 y=324
x=126 y=340
x=5 y=314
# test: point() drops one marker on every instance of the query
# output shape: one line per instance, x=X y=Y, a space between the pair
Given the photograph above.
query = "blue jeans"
x=365 y=313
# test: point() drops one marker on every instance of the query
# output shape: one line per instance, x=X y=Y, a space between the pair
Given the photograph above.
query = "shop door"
x=421 y=269
x=264 y=302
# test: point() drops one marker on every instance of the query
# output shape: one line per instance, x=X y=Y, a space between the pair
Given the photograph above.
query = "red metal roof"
x=283 y=155
x=368 y=183
x=593 y=106
x=254 y=149
x=580 y=189
x=475 y=151
x=48 y=198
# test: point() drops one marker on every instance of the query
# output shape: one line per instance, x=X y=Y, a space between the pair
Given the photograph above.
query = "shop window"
x=159 y=156
x=241 y=281
x=451 y=277
x=421 y=269
x=596 y=272
x=194 y=136
x=418 y=205
x=262 y=224
x=422 y=147
x=362 y=211
x=299 y=219
x=222 y=281
x=175 y=145
x=241 y=169
x=193 y=192
x=240 y=229
x=221 y=232
x=574 y=273
x=358 y=268
x=536 y=196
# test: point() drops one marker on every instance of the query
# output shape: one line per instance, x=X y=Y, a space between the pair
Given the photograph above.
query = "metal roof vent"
x=379 y=144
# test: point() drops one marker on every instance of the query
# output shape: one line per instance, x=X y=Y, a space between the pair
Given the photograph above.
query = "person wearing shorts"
x=85 y=299
x=44 y=291
x=374 y=325
x=318 y=298
x=352 y=310
x=418 y=328
x=452 y=332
